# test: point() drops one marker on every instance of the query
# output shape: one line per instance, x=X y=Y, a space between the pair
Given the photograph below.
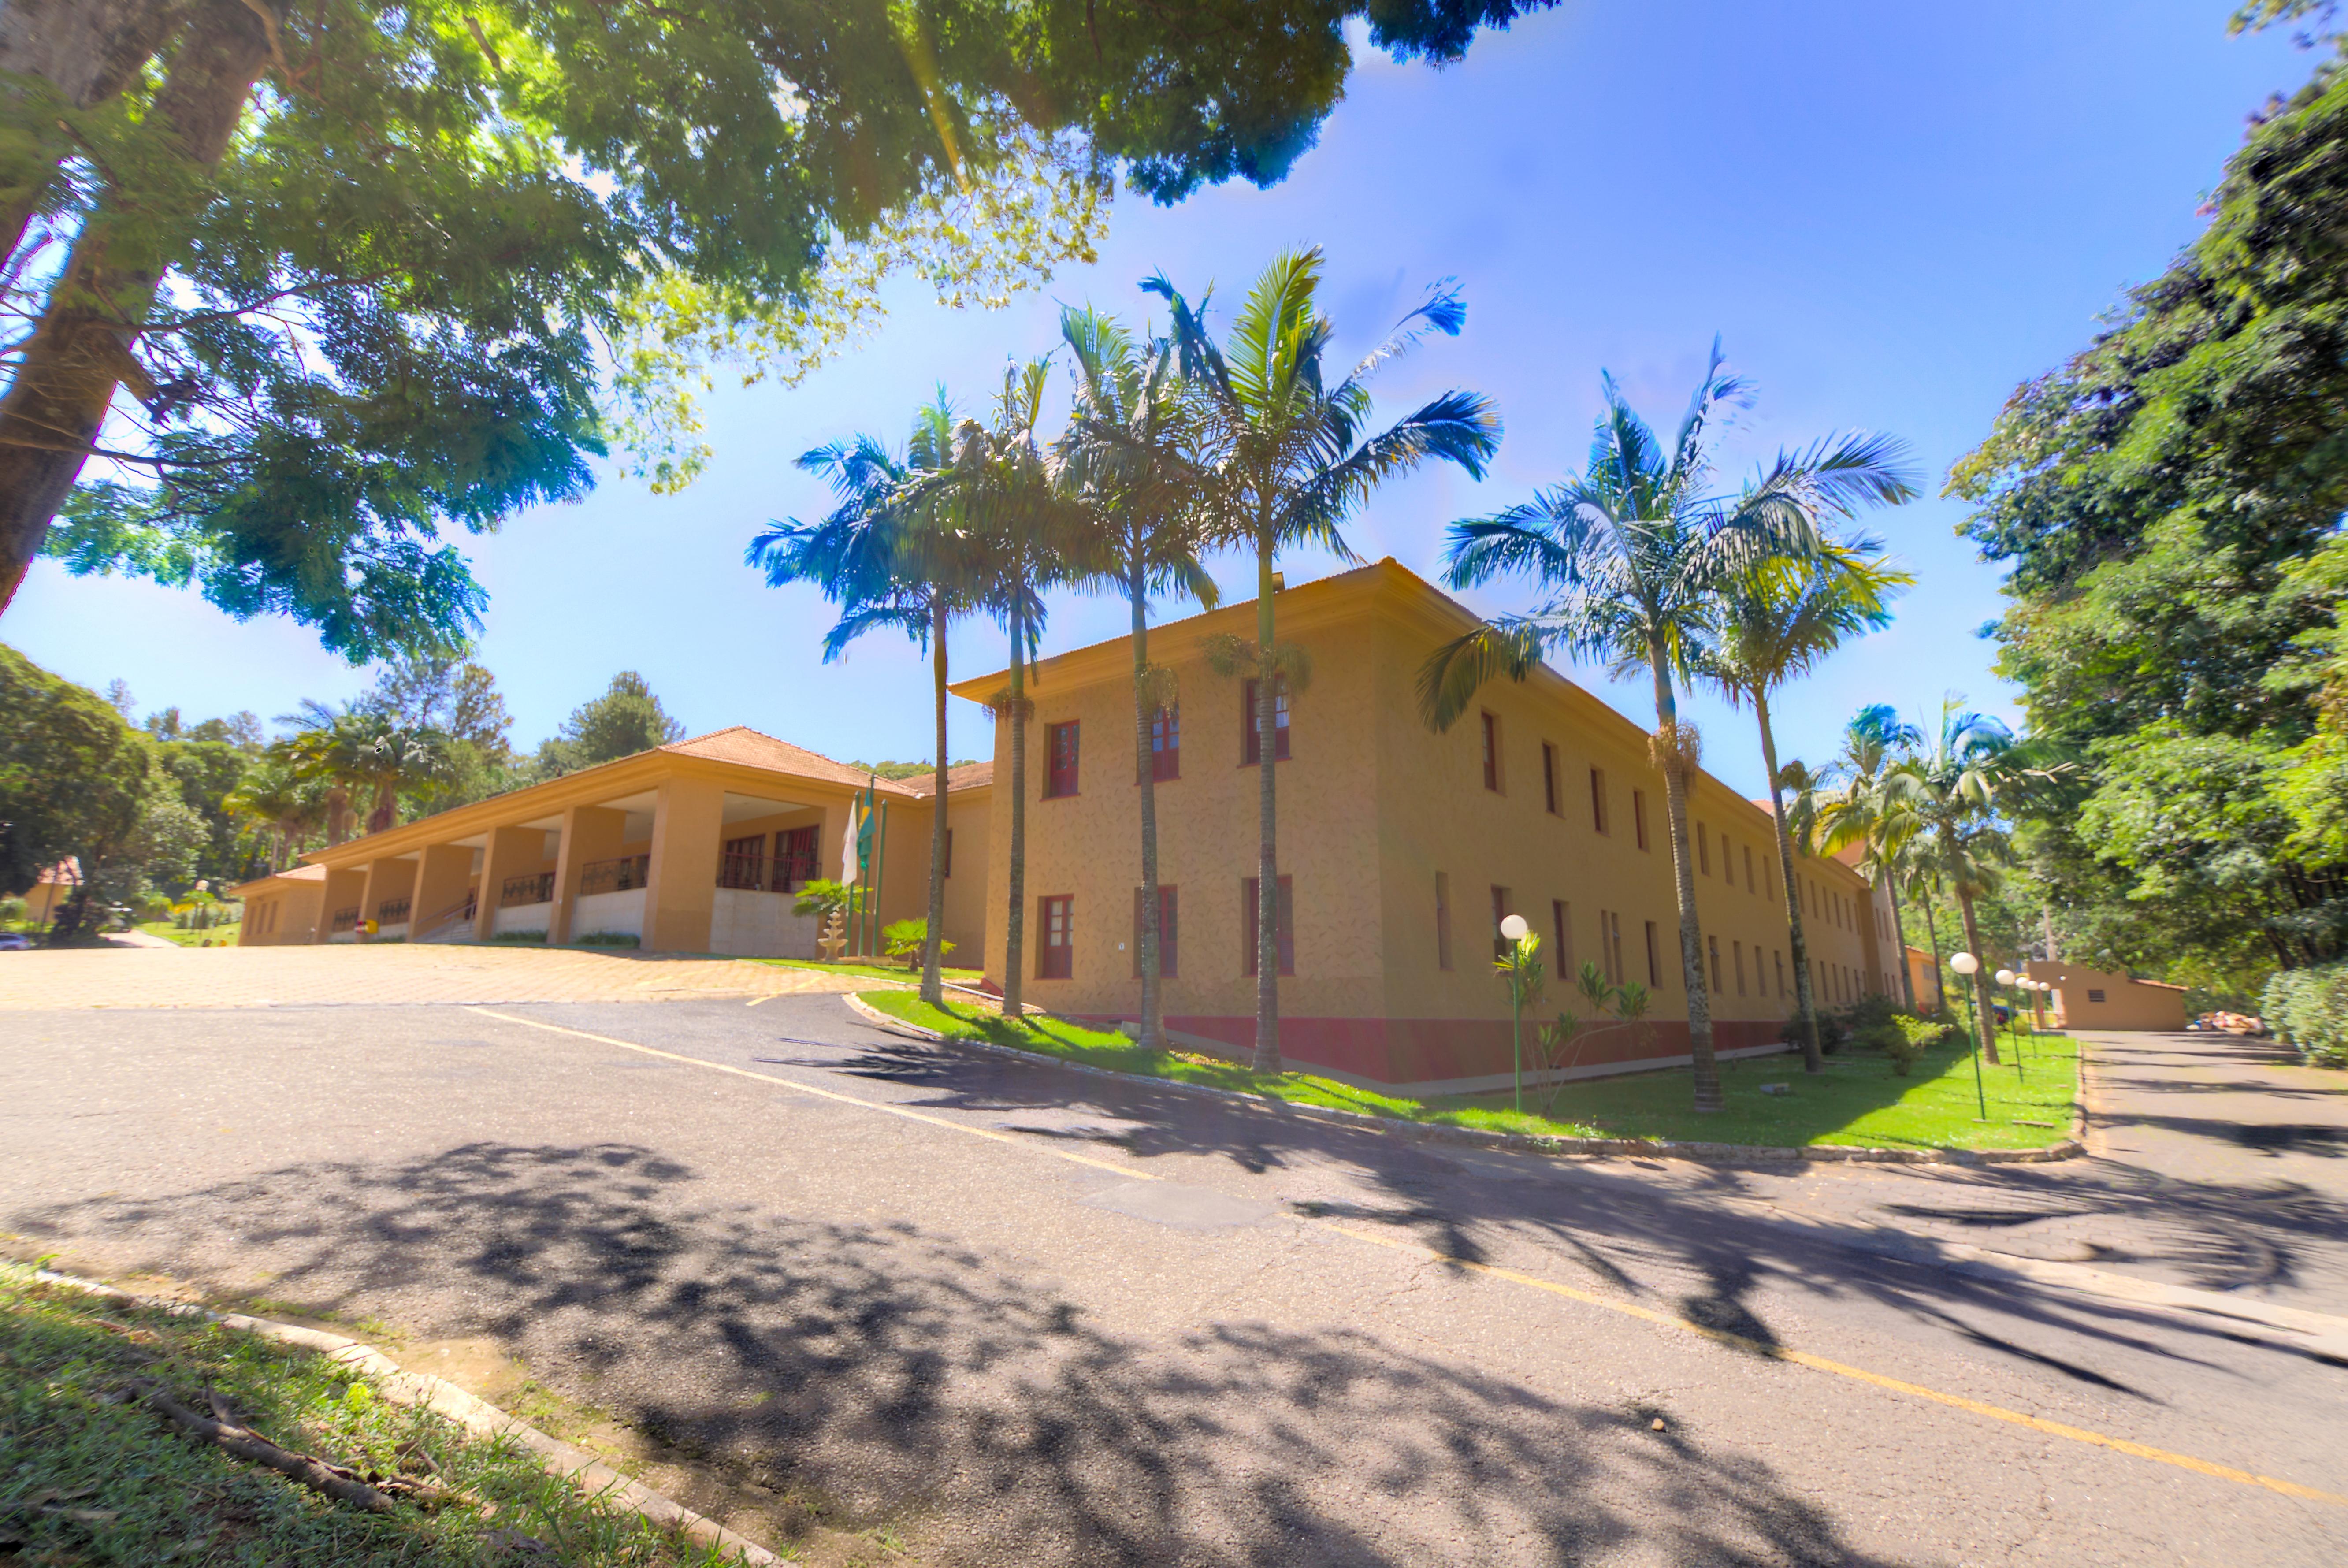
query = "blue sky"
x=1892 y=214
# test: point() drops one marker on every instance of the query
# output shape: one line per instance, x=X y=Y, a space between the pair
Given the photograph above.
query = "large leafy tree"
x=75 y=779
x=1291 y=453
x=1776 y=622
x=1635 y=555
x=626 y=719
x=1130 y=456
x=352 y=262
x=2168 y=505
x=888 y=567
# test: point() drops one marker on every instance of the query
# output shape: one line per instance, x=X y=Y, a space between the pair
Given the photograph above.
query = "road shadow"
x=895 y=1372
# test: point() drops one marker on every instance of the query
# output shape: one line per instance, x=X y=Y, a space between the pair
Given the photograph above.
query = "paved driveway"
x=165 y=976
x=1020 y=1315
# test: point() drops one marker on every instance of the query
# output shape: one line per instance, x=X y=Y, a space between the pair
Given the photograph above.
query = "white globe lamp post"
x=1514 y=966
x=1967 y=966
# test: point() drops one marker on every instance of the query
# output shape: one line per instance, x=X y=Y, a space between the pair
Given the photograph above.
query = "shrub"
x=518 y=936
x=2309 y=1009
x=610 y=939
x=904 y=941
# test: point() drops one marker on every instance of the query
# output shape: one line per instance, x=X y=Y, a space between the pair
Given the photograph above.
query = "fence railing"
x=748 y=872
x=392 y=912
x=344 y=920
x=614 y=876
x=538 y=889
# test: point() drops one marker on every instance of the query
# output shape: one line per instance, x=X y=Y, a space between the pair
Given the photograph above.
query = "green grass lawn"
x=1858 y=1100
x=856 y=970
x=218 y=935
x=88 y=1474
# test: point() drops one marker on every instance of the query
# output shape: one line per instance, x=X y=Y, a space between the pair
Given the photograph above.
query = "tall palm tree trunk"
x=1153 y=1018
x=1983 y=1019
x=932 y=982
x=1899 y=943
x=1015 y=922
x=1813 y=1058
x=1706 y=1066
x=1267 y=876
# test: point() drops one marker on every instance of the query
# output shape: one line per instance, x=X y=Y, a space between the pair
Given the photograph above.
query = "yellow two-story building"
x=1401 y=851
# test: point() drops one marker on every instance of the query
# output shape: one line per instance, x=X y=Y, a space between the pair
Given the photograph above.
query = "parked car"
x=14 y=940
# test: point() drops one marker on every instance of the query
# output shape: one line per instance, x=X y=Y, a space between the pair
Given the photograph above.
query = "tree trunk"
x=1986 y=1020
x=1899 y=943
x=1267 y=876
x=1014 y=924
x=933 y=989
x=1708 y=1097
x=84 y=52
x=1153 y=1005
x=83 y=345
x=338 y=814
x=386 y=815
x=1814 y=1059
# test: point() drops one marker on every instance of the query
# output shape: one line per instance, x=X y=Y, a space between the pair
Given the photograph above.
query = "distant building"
x=53 y=887
x=2086 y=998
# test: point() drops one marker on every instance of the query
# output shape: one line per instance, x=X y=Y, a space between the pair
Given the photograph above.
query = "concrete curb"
x=477 y=1416
x=2071 y=1147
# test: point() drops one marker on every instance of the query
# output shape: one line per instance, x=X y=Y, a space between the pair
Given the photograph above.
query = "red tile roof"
x=752 y=748
x=969 y=775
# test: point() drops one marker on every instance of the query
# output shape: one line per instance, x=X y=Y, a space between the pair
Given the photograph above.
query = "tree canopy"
x=2168 y=504
x=373 y=276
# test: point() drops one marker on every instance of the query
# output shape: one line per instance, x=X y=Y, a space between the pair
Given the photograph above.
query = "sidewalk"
x=170 y=976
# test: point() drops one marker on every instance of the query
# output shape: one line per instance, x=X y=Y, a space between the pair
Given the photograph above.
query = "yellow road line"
x=986 y=1132
x=1820 y=1364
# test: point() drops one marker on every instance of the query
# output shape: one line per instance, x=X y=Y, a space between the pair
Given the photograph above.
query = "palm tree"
x=275 y=791
x=330 y=744
x=1949 y=797
x=1858 y=811
x=1776 y=620
x=1288 y=462
x=1001 y=492
x=1635 y=554
x=1126 y=453
x=393 y=757
x=886 y=566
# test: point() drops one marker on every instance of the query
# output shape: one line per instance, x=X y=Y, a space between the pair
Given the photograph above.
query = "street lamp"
x=2008 y=978
x=1514 y=928
x=1967 y=966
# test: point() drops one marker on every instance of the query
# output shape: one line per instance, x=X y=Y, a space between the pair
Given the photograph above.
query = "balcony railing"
x=344 y=920
x=392 y=912
x=518 y=891
x=614 y=876
x=748 y=872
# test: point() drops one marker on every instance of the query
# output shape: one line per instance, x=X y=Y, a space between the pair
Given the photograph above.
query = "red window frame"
x=1548 y=777
x=1165 y=745
x=1061 y=754
x=1251 y=743
x=795 y=852
x=1285 y=933
x=1170 y=924
x=1055 y=923
x=1491 y=724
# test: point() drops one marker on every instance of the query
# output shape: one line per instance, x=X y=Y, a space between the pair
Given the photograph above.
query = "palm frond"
x=1453 y=674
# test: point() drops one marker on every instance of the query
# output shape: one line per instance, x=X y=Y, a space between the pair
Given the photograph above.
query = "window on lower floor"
x=1284 y=927
x=743 y=863
x=946 y=868
x=795 y=858
x=1736 y=953
x=1561 y=919
x=1055 y=959
x=1168 y=931
x=1654 y=957
x=1711 y=946
x=1501 y=908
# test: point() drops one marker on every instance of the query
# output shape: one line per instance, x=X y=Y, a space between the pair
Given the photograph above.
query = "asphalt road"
x=1027 y=1316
